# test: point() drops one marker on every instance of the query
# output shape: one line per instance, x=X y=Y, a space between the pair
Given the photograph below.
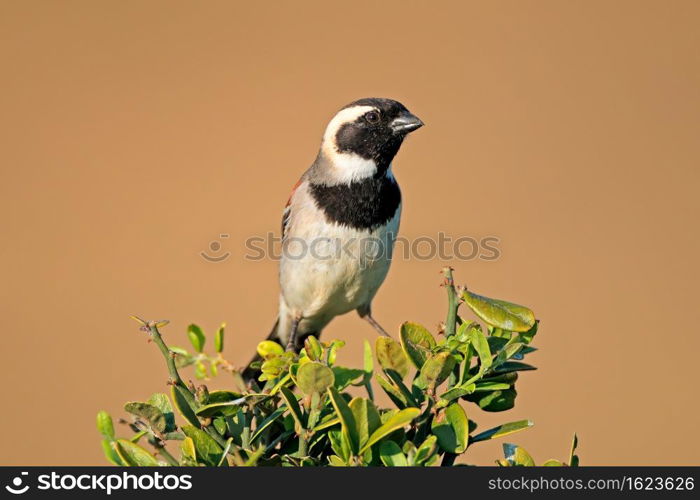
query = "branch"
x=160 y=449
x=152 y=327
x=452 y=303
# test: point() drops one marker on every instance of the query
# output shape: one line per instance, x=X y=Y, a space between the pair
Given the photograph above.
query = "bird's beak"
x=406 y=123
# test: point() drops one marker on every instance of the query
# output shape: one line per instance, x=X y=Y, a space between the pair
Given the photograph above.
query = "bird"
x=340 y=222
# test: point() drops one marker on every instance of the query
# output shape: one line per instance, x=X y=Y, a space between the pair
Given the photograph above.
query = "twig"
x=167 y=456
x=152 y=328
x=167 y=354
x=303 y=443
x=452 y=303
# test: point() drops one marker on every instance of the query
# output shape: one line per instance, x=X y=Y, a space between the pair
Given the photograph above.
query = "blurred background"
x=134 y=134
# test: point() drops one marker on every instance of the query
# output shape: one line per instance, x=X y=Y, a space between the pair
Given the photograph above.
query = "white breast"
x=328 y=269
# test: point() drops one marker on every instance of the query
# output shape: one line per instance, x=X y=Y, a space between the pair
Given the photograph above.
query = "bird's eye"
x=372 y=117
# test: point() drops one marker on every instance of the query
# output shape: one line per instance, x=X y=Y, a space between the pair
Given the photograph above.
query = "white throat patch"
x=348 y=166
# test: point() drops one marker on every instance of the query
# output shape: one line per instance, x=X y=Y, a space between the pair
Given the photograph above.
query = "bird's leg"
x=376 y=326
x=366 y=314
x=291 y=343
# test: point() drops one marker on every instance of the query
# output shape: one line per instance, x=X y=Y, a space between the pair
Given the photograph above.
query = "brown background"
x=134 y=133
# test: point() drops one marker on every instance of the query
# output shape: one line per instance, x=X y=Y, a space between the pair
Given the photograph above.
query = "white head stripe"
x=348 y=166
x=346 y=115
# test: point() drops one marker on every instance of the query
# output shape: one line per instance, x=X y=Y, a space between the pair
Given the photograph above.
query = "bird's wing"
x=287 y=213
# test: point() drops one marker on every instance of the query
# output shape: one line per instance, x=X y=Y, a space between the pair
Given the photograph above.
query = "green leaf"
x=552 y=463
x=219 y=424
x=523 y=458
x=269 y=420
x=294 y=407
x=224 y=396
x=573 y=457
x=426 y=451
x=417 y=342
x=502 y=430
x=456 y=392
x=346 y=376
x=525 y=350
x=462 y=334
x=314 y=412
x=161 y=401
x=227 y=448
x=452 y=429
x=436 y=369
x=397 y=421
x=105 y=425
x=368 y=367
x=110 y=454
x=281 y=383
x=188 y=450
x=347 y=420
x=219 y=338
x=500 y=313
x=509 y=351
x=494 y=401
x=314 y=377
x=487 y=386
x=339 y=444
x=224 y=403
x=274 y=366
x=328 y=421
x=513 y=366
x=208 y=451
x=336 y=461
x=137 y=437
x=181 y=397
x=150 y=413
x=481 y=346
x=269 y=348
x=133 y=455
x=196 y=336
x=409 y=396
x=391 y=356
x=391 y=455
x=226 y=408
x=313 y=348
x=139 y=320
x=515 y=455
x=178 y=350
x=253 y=458
x=530 y=334
x=504 y=378
x=393 y=392
x=200 y=371
x=333 y=351
x=368 y=359
x=497 y=343
x=367 y=419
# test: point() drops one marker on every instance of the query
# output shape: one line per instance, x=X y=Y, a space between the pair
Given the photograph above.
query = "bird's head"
x=362 y=138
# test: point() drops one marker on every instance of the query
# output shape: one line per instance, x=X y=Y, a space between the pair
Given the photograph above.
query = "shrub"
x=299 y=412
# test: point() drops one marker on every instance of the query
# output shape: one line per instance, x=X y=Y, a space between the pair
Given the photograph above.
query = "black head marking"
x=371 y=136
